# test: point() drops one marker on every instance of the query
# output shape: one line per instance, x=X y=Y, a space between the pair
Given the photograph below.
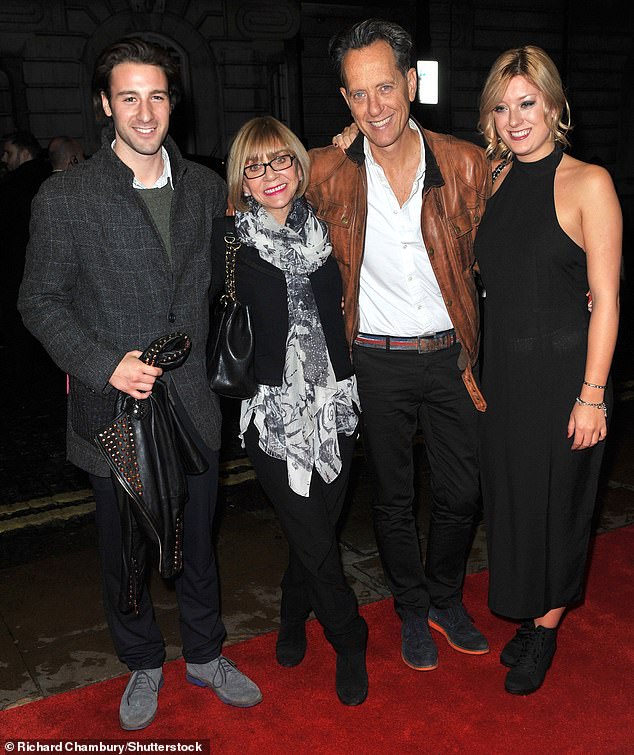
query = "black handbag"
x=231 y=344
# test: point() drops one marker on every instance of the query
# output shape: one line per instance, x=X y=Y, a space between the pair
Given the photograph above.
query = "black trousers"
x=137 y=638
x=400 y=391
x=314 y=578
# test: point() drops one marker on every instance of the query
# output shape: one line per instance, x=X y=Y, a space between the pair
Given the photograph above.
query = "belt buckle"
x=419 y=342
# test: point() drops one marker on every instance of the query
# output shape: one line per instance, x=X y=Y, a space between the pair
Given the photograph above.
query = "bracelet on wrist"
x=599 y=405
x=594 y=385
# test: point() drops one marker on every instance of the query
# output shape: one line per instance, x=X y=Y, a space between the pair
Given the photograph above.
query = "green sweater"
x=159 y=203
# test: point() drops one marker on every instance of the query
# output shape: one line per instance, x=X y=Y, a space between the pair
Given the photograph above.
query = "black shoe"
x=291 y=644
x=352 y=678
x=538 y=649
x=458 y=627
x=417 y=647
x=513 y=648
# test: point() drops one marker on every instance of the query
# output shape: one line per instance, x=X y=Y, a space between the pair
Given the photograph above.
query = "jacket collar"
x=433 y=176
x=177 y=163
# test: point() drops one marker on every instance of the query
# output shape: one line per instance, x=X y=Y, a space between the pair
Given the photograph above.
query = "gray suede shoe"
x=222 y=676
x=140 y=699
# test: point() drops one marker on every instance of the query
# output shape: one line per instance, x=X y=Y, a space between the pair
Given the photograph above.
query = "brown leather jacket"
x=456 y=187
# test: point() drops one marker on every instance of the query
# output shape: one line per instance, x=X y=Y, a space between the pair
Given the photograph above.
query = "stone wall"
x=246 y=57
x=233 y=56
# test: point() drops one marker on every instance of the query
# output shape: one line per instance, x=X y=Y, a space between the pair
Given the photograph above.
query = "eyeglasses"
x=257 y=170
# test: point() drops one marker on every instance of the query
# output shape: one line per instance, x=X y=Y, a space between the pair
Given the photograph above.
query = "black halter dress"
x=538 y=494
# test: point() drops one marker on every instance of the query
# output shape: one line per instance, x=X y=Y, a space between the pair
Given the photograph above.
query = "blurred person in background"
x=25 y=171
x=64 y=152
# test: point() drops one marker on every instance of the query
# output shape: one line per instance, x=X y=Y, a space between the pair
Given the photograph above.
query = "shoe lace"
x=223 y=669
x=141 y=679
x=532 y=645
x=458 y=616
x=525 y=629
x=417 y=630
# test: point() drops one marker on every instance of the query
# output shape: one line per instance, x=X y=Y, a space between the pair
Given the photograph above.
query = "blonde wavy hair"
x=255 y=140
x=536 y=66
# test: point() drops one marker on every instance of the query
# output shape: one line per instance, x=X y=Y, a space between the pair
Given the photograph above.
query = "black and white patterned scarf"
x=299 y=420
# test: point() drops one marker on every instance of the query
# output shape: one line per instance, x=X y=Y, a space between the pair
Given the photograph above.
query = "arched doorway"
x=196 y=124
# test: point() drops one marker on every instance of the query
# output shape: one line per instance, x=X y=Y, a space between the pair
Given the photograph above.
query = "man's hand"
x=134 y=377
x=345 y=139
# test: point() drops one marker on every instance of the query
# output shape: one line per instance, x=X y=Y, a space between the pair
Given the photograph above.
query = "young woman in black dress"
x=551 y=231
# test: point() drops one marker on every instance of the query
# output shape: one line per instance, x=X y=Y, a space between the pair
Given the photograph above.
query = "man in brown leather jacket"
x=403 y=205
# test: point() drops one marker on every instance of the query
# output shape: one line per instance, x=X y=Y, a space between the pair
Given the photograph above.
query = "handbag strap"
x=231 y=247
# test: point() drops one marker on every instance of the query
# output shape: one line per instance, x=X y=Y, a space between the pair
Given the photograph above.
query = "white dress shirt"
x=162 y=180
x=399 y=294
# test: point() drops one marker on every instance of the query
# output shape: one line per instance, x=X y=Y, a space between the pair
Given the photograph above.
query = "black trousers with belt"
x=399 y=392
x=137 y=638
x=314 y=578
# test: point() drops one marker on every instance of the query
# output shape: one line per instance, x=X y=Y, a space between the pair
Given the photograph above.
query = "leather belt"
x=422 y=344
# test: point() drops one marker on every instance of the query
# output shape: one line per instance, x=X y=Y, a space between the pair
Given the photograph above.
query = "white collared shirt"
x=165 y=176
x=399 y=294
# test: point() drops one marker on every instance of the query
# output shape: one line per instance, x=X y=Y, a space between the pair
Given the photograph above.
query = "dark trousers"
x=314 y=578
x=400 y=391
x=137 y=638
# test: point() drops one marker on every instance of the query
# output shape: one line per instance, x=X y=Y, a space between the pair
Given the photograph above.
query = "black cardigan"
x=263 y=287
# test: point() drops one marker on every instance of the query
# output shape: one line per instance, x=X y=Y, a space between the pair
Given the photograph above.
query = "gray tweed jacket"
x=98 y=283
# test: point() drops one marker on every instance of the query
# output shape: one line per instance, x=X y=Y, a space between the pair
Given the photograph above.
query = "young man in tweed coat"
x=119 y=255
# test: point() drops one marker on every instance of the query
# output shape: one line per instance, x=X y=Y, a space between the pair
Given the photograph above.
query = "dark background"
x=241 y=58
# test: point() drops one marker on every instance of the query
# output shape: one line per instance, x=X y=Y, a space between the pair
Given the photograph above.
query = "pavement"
x=53 y=635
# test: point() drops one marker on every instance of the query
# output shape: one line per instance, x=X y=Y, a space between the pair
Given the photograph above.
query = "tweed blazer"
x=98 y=283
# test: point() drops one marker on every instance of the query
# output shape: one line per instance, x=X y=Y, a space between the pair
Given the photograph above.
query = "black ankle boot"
x=513 y=648
x=536 y=655
x=352 y=678
x=291 y=644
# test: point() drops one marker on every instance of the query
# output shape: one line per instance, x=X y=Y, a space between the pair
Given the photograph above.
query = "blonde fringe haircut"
x=255 y=142
x=536 y=66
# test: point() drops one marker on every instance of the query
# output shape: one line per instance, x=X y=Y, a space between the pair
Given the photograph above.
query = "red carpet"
x=585 y=705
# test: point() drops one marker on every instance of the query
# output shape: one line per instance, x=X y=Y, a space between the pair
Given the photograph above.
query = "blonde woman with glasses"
x=300 y=427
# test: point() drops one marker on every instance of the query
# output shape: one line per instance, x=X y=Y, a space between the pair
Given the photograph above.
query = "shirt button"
x=430 y=251
x=171 y=317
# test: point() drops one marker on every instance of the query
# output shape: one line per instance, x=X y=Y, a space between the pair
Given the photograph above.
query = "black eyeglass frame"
x=269 y=165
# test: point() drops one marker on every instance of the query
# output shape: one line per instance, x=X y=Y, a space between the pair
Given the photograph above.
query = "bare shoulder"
x=586 y=180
